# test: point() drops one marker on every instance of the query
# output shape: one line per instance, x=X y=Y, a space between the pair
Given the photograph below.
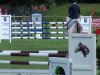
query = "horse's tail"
x=78 y=26
x=74 y=26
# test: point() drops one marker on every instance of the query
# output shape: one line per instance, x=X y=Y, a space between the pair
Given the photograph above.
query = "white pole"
x=38 y=63
x=90 y=24
x=0 y=29
x=10 y=29
x=30 y=62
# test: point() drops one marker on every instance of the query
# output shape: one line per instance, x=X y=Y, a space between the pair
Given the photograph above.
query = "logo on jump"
x=85 y=50
x=5 y=19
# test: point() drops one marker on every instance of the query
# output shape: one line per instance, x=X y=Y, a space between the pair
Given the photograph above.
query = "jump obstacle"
x=81 y=58
x=34 y=53
x=38 y=30
x=25 y=30
x=19 y=53
x=59 y=61
x=40 y=53
x=31 y=53
x=27 y=24
x=85 y=45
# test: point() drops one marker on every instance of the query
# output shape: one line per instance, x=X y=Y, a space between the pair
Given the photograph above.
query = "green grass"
x=86 y=8
x=7 y=66
x=34 y=44
x=62 y=10
x=98 y=72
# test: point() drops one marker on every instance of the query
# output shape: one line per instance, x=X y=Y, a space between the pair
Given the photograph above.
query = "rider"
x=73 y=16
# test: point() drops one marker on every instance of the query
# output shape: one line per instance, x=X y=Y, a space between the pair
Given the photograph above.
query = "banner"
x=96 y=23
x=5 y=29
x=86 y=23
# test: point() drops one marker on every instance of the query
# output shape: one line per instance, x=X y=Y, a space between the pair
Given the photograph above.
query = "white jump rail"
x=37 y=27
x=13 y=32
x=39 y=23
x=24 y=72
x=27 y=51
x=39 y=37
x=24 y=62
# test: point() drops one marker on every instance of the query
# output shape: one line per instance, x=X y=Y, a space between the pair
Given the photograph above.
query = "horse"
x=85 y=50
x=74 y=26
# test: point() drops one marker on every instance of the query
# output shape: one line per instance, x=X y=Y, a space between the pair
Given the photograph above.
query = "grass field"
x=62 y=11
x=98 y=72
x=34 y=44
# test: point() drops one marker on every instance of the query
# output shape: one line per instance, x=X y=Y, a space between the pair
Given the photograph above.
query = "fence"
x=49 y=30
x=18 y=53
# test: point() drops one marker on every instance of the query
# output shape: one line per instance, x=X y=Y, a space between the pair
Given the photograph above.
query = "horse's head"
x=85 y=50
x=78 y=48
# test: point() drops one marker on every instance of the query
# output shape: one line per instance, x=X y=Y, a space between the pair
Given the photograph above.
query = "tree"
x=60 y=1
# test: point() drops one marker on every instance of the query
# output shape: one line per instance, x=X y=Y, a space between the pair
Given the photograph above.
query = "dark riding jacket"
x=74 y=11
